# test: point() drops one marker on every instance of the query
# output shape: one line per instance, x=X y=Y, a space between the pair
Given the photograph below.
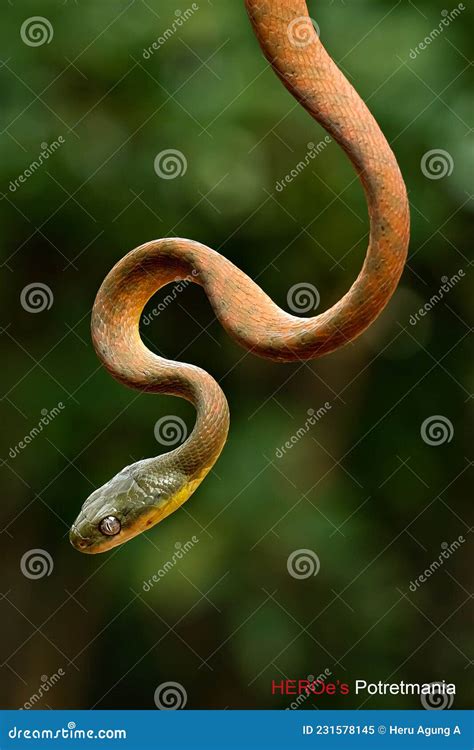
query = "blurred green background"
x=361 y=490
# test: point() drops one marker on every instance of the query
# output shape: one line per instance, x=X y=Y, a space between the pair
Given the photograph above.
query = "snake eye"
x=110 y=526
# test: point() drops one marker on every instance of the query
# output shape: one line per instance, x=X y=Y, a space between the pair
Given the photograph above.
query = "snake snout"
x=77 y=540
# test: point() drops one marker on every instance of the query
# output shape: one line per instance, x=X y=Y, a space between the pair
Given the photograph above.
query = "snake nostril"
x=76 y=538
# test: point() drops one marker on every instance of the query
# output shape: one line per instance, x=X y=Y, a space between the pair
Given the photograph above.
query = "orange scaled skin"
x=292 y=47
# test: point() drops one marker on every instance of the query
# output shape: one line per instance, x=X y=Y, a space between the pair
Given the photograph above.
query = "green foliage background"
x=361 y=489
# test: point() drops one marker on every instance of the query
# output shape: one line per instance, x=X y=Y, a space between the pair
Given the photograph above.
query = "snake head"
x=138 y=497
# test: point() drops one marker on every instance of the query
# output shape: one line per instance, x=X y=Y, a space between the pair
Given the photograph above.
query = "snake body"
x=149 y=490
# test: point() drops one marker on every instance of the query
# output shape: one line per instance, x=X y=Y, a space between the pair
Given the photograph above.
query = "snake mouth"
x=86 y=546
x=78 y=541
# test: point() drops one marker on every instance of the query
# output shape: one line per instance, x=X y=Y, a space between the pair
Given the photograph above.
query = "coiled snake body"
x=146 y=492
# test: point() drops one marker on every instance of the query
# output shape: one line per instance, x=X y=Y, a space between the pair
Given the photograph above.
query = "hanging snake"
x=146 y=492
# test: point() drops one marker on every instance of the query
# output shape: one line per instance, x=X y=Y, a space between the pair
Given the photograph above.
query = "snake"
x=144 y=493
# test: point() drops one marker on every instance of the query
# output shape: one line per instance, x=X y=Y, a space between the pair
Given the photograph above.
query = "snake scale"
x=144 y=493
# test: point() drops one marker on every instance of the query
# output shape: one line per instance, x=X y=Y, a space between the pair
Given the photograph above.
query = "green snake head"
x=138 y=497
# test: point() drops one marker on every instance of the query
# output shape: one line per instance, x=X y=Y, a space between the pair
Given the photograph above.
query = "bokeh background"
x=363 y=489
